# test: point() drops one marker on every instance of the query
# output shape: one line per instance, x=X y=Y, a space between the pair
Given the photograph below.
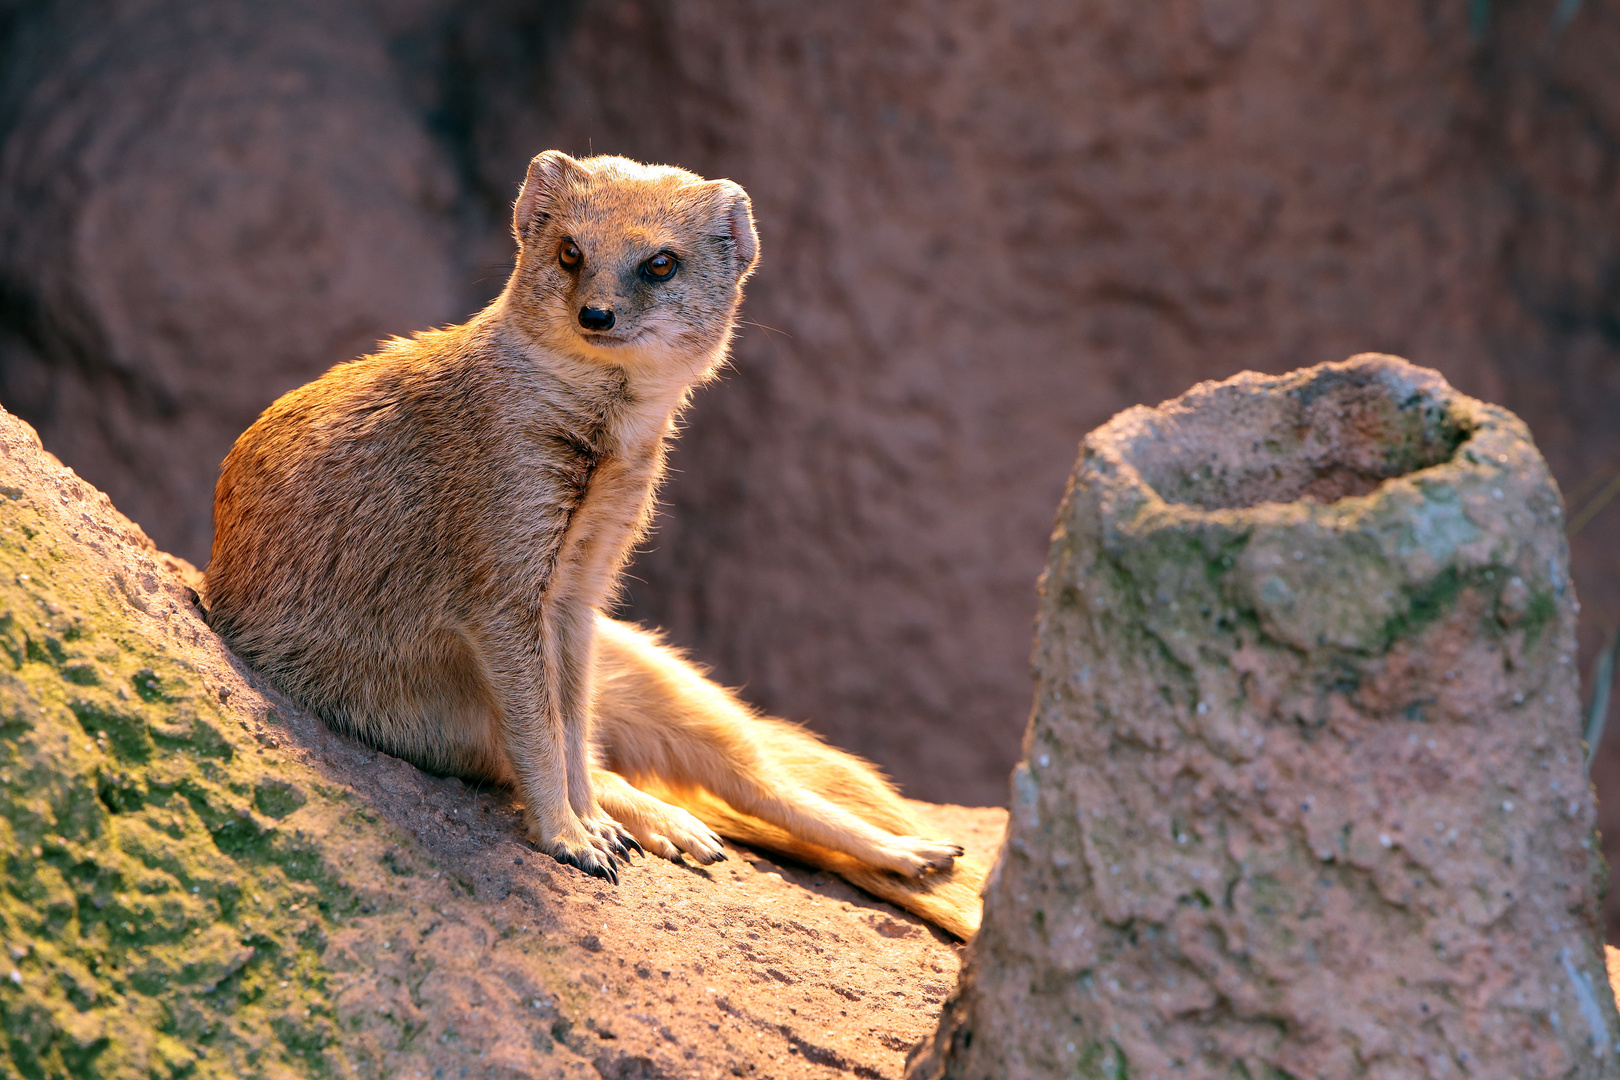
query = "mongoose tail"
x=680 y=737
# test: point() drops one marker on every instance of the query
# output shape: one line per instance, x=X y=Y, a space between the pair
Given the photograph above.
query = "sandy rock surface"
x=1304 y=792
x=201 y=880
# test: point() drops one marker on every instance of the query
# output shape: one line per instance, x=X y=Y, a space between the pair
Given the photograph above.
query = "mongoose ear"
x=548 y=172
x=736 y=216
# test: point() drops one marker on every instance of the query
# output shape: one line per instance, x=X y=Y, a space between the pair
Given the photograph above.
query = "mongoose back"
x=417 y=546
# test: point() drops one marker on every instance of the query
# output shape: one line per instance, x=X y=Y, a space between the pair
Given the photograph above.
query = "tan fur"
x=761 y=780
x=418 y=545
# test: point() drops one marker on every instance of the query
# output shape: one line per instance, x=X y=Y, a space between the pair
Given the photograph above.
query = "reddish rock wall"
x=986 y=228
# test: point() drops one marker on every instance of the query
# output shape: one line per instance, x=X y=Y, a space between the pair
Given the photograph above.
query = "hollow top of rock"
x=1323 y=434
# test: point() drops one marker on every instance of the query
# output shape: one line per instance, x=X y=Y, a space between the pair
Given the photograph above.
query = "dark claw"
x=625 y=840
x=631 y=843
x=603 y=869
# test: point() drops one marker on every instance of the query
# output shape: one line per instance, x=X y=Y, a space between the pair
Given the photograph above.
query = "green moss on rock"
x=133 y=947
x=169 y=888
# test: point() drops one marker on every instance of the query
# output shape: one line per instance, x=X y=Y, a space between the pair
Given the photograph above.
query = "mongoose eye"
x=660 y=267
x=568 y=254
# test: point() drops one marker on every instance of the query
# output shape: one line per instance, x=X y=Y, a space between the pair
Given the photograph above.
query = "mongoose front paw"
x=583 y=851
x=614 y=837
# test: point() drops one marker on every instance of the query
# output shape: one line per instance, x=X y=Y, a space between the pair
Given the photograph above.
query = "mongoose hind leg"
x=805 y=814
x=658 y=719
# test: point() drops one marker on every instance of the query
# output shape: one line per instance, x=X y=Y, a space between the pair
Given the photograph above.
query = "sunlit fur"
x=676 y=735
x=418 y=544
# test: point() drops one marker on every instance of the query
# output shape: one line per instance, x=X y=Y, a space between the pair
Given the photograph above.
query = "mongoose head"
x=637 y=266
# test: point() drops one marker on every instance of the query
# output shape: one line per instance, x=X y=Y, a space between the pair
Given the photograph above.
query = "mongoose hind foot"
x=917 y=857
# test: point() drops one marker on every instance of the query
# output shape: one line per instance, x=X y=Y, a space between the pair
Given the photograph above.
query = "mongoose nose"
x=595 y=318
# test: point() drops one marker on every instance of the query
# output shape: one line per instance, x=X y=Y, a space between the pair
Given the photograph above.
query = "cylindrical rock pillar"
x=1303 y=792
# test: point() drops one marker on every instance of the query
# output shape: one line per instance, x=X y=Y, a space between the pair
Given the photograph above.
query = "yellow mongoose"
x=417 y=546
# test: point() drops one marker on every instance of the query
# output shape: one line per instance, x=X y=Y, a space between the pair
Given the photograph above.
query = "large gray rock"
x=1303 y=791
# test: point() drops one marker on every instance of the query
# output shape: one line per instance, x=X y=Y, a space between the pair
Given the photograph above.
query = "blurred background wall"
x=987 y=226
